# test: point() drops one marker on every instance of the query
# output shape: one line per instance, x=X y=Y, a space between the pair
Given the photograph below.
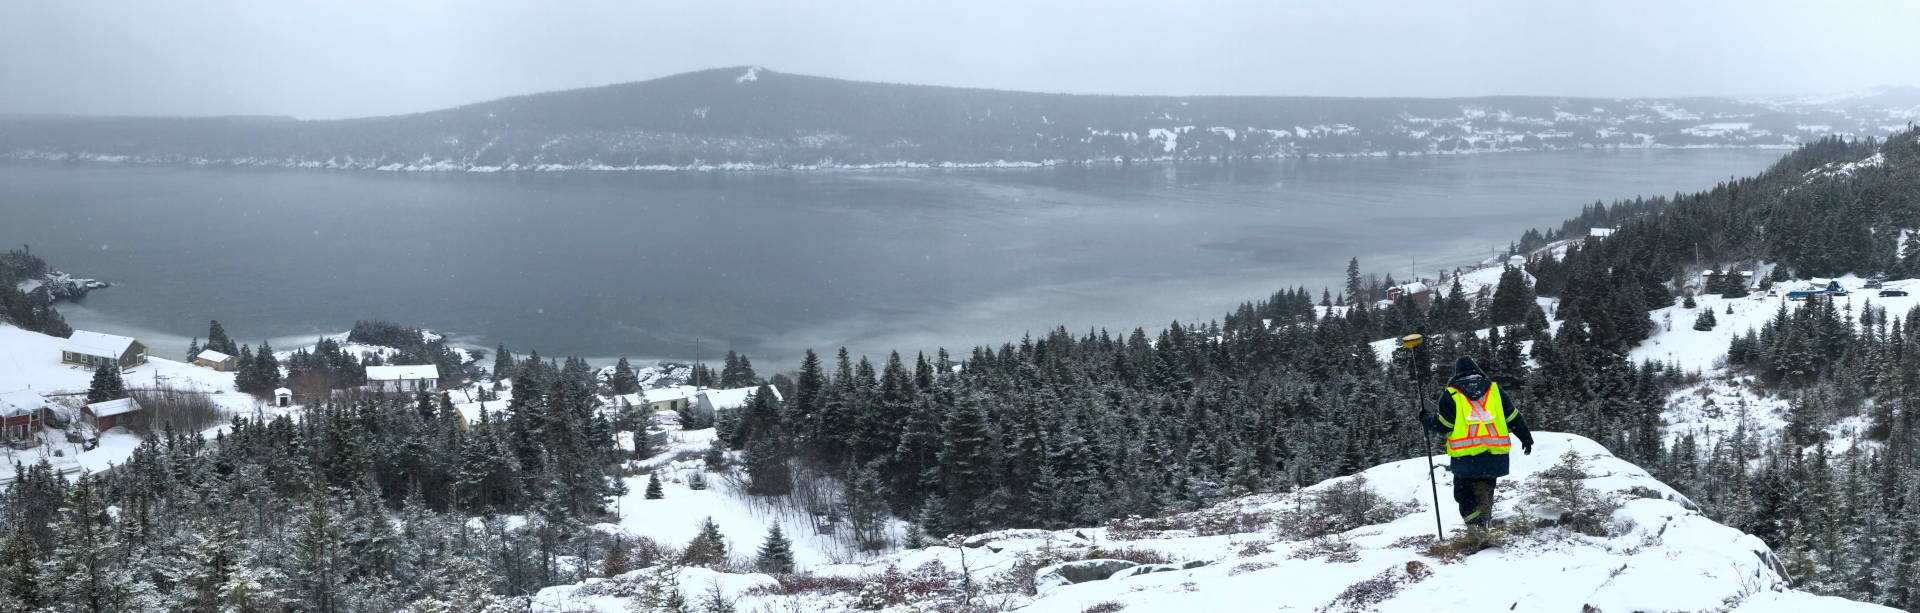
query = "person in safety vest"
x=1476 y=420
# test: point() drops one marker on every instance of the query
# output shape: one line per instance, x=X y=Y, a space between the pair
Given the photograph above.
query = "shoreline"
x=452 y=167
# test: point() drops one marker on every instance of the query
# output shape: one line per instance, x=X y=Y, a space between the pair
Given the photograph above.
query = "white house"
x=403 y=379
x=673 y=398
x=282 y=397
x=725 y=400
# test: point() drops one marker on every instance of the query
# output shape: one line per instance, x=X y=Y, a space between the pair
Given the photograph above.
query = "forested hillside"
x=367 y=504
x=752 y=118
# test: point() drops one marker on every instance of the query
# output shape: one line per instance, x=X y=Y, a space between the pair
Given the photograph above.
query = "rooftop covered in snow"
x=97 y=343
x=113 y=407
x=403 y=373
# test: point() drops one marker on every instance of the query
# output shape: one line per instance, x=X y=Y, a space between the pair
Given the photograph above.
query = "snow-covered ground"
x=1655 y=554
x=31 y=361
x=675 y=518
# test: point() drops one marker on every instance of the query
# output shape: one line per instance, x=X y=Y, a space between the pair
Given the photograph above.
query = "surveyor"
x=1476 y=419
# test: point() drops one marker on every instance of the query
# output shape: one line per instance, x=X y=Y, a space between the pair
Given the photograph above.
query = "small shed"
x=214 y=360
x=1421 y=294
x=105 y=415
x=92 y=349
x=403 y=379
x=672 y=398
x=22 y=414
x=282 y=397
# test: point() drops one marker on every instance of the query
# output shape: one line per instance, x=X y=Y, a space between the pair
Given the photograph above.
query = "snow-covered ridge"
x=1648 y=550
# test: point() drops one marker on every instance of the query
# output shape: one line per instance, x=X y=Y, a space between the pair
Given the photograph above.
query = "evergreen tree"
x=716 y=456
x=624 y=381
x=1512 y=298
x=767 y=471
x=106 y=385
x=217 y=339
x=1353 y=281
x=697 y=480
x=86 y=571
x=19 y=561
x=708 y=548
x=1704 y=321
x=193 y=349
x=653 y=487
x=776 y=554
x=503 y=364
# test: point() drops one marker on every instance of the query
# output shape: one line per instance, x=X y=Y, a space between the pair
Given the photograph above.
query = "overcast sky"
x=337 y=59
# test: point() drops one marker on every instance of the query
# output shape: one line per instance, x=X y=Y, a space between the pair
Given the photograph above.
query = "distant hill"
x=748 y=117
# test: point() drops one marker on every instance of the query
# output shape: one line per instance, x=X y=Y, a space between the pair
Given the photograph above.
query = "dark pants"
x=1476 y=500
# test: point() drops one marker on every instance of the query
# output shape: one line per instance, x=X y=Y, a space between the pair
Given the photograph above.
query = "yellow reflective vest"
x=1478 y=427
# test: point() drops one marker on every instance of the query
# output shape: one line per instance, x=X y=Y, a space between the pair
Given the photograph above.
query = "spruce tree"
x=624 y=381
x=86 y=571
x=193 y=349
x=776 y=554
x=697 y=480
x=106 y=385
x=217 y=339
x=1511 y=299
x=767 y=471
x=503 y=364
x=716 y=456
x=708 y=549
x=1705 y=320
x=1353 y=281
x=653 y=487
x=20 y=572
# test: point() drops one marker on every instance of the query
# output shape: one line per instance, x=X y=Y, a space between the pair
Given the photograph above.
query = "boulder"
x=1078 y=572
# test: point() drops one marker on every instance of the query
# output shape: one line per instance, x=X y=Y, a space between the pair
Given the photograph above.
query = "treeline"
x=368 y=505
x=30 y=310
x=415 y=346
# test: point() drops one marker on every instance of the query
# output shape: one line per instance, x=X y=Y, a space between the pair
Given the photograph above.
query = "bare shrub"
x=796 y=584
x=1560 y=497
x=186 y=411
x=1334 y=547
x=1104 y=607
x=1136 y=556
x=1416 y=541
x=1254 y=548
x=1369 y=593
x=1211 y=521
x=893 y=587
x=1247 y=567
x=1019 y=577
x=1345 y=505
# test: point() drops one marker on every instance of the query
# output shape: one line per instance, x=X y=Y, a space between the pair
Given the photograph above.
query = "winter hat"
x=1466 y=367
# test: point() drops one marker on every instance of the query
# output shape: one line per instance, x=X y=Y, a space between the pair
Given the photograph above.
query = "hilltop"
x=749 y=118
x=1584 y=531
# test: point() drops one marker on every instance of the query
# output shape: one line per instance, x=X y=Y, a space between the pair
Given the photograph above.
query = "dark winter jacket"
x=1470 y=381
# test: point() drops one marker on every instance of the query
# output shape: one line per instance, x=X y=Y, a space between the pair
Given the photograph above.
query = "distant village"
x=65 y=419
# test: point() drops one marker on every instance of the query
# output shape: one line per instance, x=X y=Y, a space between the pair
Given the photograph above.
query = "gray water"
x=642 y=264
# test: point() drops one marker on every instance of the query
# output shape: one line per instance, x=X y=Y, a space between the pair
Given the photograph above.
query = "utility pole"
x=696 y=363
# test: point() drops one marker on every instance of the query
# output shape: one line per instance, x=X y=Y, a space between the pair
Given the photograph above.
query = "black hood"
x=1468 y=379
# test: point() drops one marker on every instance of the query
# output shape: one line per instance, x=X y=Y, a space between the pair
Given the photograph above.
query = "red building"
x=106 y=415
x=21 y=414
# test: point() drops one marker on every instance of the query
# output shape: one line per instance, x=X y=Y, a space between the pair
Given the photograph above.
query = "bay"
x=640 y=264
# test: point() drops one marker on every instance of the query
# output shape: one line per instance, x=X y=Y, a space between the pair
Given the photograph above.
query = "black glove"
x=1526 y=448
